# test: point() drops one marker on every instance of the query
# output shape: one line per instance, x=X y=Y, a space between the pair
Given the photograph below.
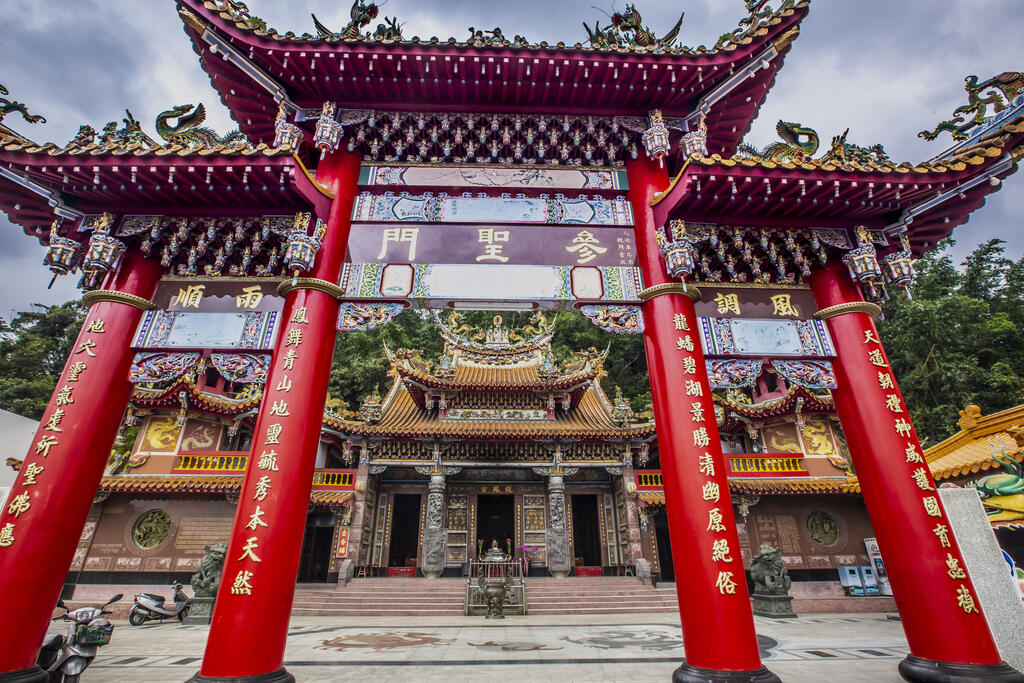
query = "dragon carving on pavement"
x=999 y=93
x=800 y=144
x=627 y=29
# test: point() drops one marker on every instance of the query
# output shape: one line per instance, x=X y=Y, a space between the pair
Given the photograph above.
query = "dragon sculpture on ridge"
x=1002 y=90
x=8 y=106
x=800 y=144
x=627 y=30
x=187 y=128
x=361 y=14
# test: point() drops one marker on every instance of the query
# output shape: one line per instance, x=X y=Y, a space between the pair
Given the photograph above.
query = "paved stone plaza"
x=847 y=647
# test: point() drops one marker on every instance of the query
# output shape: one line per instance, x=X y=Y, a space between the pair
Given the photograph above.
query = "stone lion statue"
x=769 y=573
x=207 y=578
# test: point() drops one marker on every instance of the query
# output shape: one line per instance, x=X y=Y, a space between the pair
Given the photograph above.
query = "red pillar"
x=947 y=632
x=253 y=606
x=43 y=519
x=714 y=606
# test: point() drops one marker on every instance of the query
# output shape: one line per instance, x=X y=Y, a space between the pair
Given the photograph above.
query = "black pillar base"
x=918 y=670
x=696 y=674
x=279 y=676
x=33 y=675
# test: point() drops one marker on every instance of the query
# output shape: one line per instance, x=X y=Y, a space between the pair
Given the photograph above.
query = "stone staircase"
x=382 y=597
x=599 y=595
x=396 y=596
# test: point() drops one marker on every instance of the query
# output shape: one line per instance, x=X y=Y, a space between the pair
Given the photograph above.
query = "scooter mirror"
x=114 y=599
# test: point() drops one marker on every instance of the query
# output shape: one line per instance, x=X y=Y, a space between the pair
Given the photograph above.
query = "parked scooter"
x=66 y=657
x=151 y=607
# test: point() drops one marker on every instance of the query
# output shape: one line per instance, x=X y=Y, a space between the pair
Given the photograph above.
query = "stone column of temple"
x=634 y=549
x=435 y=535
x=355 y=527
x=253 y=606
x=947 y=632
x=558 y=534
x=714 y=605
x=49 y=501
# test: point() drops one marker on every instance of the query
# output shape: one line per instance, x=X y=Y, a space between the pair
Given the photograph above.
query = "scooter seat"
x=158 y=598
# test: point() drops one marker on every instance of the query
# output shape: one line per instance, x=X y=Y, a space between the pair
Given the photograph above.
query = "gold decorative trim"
x=748 y=285
x=311 y=283
x=320 y=188
x=658 y=196
x=98 y=295
x=670 y=288
x=786 y=38
x=851 y=307
x=193 y=22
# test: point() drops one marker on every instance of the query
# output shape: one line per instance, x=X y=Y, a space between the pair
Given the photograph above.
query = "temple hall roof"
x=254 y=68
x=930 y=198
x=970 y=450
x=37 y=180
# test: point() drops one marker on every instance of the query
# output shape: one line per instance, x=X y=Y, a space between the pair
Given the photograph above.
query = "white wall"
x=16 y=433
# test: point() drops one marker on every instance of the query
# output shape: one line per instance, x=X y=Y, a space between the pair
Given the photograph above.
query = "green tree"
x=33 y=348
x=959 y=339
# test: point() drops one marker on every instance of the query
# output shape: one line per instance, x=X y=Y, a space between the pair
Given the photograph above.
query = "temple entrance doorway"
x=317 y=544
x=586 y=533
x=405 y=530
x=661 y=536
x=495 y=521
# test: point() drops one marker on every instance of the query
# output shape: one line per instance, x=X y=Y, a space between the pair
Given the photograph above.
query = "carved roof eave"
x=198 y=399
x=68 y=173
x=253 y=97
x=897 y=187
x=778 y=407
x=642 y=431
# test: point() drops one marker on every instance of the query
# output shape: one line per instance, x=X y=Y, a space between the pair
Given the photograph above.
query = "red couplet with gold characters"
x=45 y=512
x=253 y=606
x=937 y=602
x=714 y=605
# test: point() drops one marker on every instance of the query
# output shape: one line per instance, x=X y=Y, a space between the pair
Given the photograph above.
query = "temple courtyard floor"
x=630 y=647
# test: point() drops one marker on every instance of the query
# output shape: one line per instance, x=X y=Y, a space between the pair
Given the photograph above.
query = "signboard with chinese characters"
x=516 y=244
x=491 y=286
x=219 y=313
x=761 y=321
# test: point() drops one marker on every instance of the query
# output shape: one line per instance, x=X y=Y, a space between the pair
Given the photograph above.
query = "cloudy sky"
x=884 y=69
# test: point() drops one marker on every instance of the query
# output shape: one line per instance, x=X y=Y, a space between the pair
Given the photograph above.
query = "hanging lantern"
x=863 y=264
x=286 y=134
x=655 y=138
x=104 y=251
x=302 y=248
x=695 y=143
x=61 y=254
x=679 y=254
x=327 y=136
x=899 y=266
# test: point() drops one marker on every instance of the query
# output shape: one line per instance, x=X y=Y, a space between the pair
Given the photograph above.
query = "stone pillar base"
x=432 y=574
x=279 y=676
x=696 y=674
x=33 y=675
x=558 y=573
x=918 y=670
x=774 y=606
x=200 y=612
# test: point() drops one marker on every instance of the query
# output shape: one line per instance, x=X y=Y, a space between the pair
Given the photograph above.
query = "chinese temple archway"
x=630 y=199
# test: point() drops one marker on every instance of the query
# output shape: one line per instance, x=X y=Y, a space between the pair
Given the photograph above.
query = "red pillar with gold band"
x=714 y=606
x=49 y=501
x=253 y=605
x=947 y=632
